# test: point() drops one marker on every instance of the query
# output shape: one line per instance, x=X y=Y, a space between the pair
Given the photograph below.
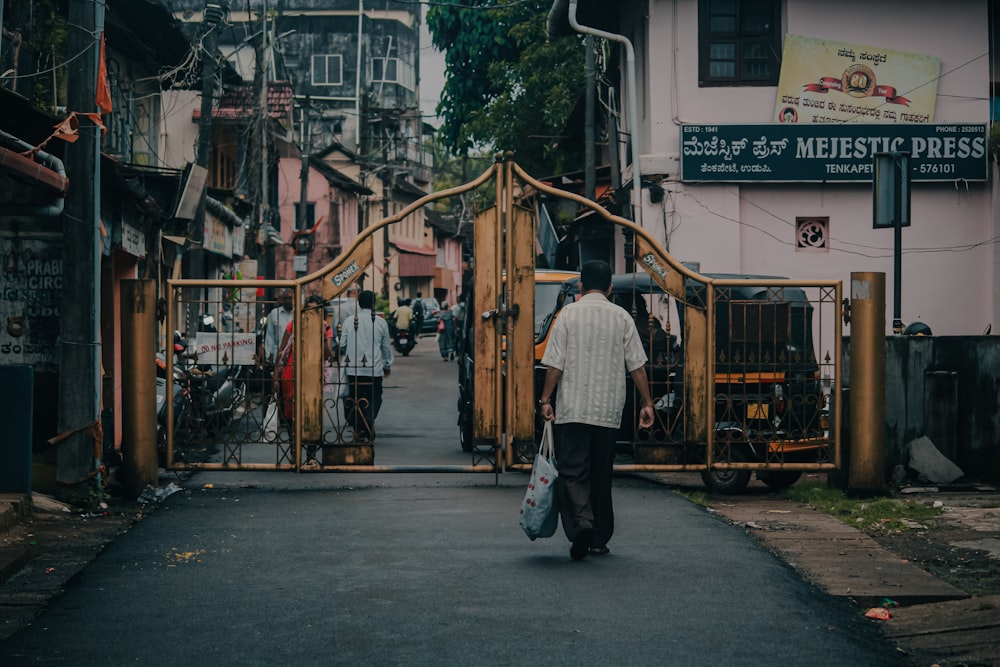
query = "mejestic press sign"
x=802 y=153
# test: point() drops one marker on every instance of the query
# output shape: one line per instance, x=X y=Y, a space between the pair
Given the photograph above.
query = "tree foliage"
x=451 y=171
x=506 y=87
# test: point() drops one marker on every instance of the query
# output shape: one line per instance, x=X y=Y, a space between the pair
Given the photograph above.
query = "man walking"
x=418 y=313
x=593 y=345
x=367 y=356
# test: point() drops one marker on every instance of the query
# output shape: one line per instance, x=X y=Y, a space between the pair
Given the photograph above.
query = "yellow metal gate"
x=745 y=370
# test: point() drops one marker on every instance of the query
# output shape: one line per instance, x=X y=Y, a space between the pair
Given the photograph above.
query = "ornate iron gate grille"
x=745 y=370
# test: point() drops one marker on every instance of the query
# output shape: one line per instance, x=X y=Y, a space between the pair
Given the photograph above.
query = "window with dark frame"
x=739 y=42
x=385 y=69
x=310 y=214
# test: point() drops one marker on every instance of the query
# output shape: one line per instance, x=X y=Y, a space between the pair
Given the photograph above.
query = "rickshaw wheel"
x=465 y=434
x=779 y=479
x=728 y=481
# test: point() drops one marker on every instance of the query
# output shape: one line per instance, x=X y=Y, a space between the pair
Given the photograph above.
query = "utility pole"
x=211 y=18
x=387 y=177
x=386 y=193
x=78 y=458
x=263 y=204
x=589 y=162
x=300 y=220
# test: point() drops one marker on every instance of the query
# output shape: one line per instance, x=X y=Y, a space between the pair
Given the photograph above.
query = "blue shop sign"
x=799 y=153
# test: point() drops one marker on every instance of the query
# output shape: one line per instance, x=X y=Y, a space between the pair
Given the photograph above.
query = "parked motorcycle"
x=206 y=397
x=217 y=390
x=179 y=400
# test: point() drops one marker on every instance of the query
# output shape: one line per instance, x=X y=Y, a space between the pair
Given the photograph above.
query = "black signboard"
x=799 y=153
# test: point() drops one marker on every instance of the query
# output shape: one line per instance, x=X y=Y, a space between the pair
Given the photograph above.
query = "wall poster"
x=834 y=82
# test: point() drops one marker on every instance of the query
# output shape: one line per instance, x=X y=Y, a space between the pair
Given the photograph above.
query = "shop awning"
x=415 y=249
x=414 y=266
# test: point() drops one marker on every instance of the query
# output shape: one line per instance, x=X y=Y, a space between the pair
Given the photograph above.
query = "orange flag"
x=103 y=87
x=68 y=130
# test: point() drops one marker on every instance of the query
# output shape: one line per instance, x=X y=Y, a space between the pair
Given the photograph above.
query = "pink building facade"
x=333 y=204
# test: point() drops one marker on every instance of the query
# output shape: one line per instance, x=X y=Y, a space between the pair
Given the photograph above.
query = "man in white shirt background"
x=366 y=355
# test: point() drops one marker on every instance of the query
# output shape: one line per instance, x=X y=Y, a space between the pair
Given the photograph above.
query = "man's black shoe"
x=581 y=545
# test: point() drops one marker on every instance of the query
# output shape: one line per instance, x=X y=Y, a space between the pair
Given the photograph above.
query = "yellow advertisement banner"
x=347 y=269
x=835 y=82
x=654 y=261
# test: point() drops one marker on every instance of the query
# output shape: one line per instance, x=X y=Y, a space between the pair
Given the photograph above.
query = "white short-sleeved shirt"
x=365 y=345
x=595 y=344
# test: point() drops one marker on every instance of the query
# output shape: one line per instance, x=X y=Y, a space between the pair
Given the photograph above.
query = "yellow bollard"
x=138 y=355
x=867 y=396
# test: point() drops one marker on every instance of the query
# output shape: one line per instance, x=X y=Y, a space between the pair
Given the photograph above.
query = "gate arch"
x=719 y=404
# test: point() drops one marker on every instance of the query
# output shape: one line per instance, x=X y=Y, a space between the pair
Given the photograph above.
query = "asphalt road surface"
x=256 y=568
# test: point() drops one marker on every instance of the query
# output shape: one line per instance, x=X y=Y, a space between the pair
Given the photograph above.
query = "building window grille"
x=739 y=42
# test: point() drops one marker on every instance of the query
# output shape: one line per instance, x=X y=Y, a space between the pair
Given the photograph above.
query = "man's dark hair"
x=366 y=299
x=595 y=275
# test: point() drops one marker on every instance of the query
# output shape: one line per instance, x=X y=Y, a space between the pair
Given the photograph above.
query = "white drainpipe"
x=633 y=107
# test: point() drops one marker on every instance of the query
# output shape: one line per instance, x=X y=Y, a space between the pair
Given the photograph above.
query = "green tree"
x=506 y=87
x=451 y=171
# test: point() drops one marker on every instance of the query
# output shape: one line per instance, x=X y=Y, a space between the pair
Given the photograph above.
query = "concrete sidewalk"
x=841 y=560
x=935 y=622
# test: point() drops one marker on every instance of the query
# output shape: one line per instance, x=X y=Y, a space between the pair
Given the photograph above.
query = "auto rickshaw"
x=769 y=398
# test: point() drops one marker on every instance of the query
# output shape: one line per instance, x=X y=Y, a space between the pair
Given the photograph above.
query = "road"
x=254 y=568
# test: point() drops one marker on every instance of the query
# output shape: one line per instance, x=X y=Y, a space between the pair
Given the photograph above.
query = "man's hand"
x=386 y=372
x=646 y=417
x=548 y=414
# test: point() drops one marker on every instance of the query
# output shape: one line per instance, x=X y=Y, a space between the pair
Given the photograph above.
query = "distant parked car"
x=432 y=312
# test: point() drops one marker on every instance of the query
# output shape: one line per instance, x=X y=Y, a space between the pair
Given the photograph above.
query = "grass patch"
x=696 y=497
x=871 y=515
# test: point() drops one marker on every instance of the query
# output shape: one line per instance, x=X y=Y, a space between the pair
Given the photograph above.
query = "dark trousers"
x=362 y=404
x=585 y=455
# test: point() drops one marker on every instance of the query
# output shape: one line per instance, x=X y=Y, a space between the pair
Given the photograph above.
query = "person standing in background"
x=418 y=313
x=284 y=370
x=274 y=326
x=366 y=355
x=446 y=333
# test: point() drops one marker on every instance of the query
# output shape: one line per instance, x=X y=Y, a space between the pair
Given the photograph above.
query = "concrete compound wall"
x=946 y=388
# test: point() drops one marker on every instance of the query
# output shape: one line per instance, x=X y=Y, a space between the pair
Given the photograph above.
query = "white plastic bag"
x=331 y=381
x=269 y=429
x=539 y=512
